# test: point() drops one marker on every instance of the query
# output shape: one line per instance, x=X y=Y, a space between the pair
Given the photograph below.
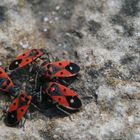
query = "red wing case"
x=60 y=69
x=63 y=96
x=17 y=109
x=25 y=58
x=6 y=84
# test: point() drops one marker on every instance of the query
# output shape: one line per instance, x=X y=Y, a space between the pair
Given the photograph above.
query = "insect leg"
x=36 y=78
x=41 y=111
x=27 y=114
x=67 y=113
x=39 y=95
x=22 y=123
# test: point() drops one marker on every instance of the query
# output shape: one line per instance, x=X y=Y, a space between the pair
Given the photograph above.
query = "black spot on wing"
x=74 y=102
x=15 y=64
x=72 y=68
x=7 y=83
x=2 y=80
x=11 y=119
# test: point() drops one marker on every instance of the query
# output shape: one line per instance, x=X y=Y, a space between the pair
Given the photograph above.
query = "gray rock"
x=103 y=37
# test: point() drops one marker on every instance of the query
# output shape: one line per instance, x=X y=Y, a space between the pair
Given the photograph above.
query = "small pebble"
x=53 y=13
x=51 y=22
x=55 y=136
x=65 y=53
x=57 y=7
x=24 y=45
x=45 y=19
x=45 y=30
x=56 y=18
x=60 y=45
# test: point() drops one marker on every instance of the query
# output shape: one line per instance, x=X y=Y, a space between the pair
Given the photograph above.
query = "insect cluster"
x=47 y=85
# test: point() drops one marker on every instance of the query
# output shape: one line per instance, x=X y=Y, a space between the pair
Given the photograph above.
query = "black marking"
x=48 y=66
x=2 y=80
x=72 y=68
x=22 y=103
x=60 y=64
x=34 y=53
x=55 y=92
x=11 y=119
x=61 y=73
x=7 y=82
x=15 y=64
x=48 y=71
x=74 y=102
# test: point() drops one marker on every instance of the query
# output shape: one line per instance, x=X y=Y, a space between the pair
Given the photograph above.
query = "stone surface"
x=103 y=37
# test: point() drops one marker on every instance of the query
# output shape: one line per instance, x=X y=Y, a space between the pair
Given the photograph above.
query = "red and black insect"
x=17 y=109
x=6 y=84
x=64 y=68
x=26 y=58
x=63 y=96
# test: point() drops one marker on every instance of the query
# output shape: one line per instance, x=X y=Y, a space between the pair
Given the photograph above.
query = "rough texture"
x=103 y=37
